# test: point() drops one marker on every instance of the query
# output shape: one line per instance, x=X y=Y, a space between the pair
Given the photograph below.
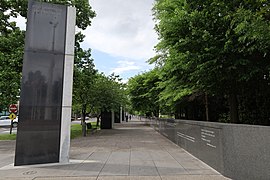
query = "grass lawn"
x=76 y=131
x=7 y=136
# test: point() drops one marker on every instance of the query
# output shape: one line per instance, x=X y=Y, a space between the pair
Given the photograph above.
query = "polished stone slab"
x=43 y=134
x=106 y=120
x=117 y=118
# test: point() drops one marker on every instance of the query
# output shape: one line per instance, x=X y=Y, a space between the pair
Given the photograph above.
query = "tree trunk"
x=84 y=128
x=234 y=117
x=83 y=120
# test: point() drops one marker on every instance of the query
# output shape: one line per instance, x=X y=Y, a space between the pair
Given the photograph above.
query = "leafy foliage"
x=217 y=47
x=143 y=93
x=84 y=76
x=93 y=91
x=11 y=53
x=110 y=92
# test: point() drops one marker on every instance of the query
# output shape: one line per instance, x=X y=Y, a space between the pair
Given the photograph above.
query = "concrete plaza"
x=131 y=151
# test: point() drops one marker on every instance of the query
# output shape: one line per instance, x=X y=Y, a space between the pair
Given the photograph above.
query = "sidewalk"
x=129 y=151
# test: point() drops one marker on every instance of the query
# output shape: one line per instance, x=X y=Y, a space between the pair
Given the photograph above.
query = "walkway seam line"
x=155 y=166
x=104 y=165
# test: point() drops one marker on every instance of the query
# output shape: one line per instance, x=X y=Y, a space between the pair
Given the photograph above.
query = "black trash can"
x=89 y=125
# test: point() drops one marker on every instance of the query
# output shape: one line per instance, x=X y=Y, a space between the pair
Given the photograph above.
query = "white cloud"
x=20 y=22
x=124 y=66
x=122 y=28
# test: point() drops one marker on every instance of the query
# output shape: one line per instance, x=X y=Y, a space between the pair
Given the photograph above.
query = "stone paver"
x=129 y=151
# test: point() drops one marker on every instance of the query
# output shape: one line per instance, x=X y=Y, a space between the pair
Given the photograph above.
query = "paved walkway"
x=129 y=151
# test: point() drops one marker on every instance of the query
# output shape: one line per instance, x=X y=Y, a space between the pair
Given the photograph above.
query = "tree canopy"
x=143 y=93
x=94 y=92
x=217 y=47
x=11 y=52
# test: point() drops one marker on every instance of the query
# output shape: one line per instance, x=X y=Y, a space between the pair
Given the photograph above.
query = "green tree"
x=83 y=85
x=11 y=52
x=216 y=47
x=94 y=92
x=144 y=92
x=110 y=93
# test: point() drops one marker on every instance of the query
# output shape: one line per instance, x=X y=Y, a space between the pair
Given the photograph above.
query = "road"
x=89 y=120
x=6 y=130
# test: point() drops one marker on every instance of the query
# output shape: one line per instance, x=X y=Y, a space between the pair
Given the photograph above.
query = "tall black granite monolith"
x=123 y=115
x=117 y=116
x=106 y=120
x=43 y=134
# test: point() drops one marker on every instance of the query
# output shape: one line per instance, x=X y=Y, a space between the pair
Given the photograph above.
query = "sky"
x=122 y=36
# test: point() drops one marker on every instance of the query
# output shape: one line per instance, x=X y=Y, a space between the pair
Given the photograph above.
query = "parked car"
x=5 y=121
x=86 y=118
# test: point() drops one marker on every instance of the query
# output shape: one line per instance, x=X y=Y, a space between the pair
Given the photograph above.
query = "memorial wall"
x=236 y=151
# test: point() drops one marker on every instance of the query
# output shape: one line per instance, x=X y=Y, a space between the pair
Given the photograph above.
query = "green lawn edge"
x=75 y=131
x=7 y=137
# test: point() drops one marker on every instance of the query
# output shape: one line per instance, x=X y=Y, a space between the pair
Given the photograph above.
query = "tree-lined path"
x=129 y=151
